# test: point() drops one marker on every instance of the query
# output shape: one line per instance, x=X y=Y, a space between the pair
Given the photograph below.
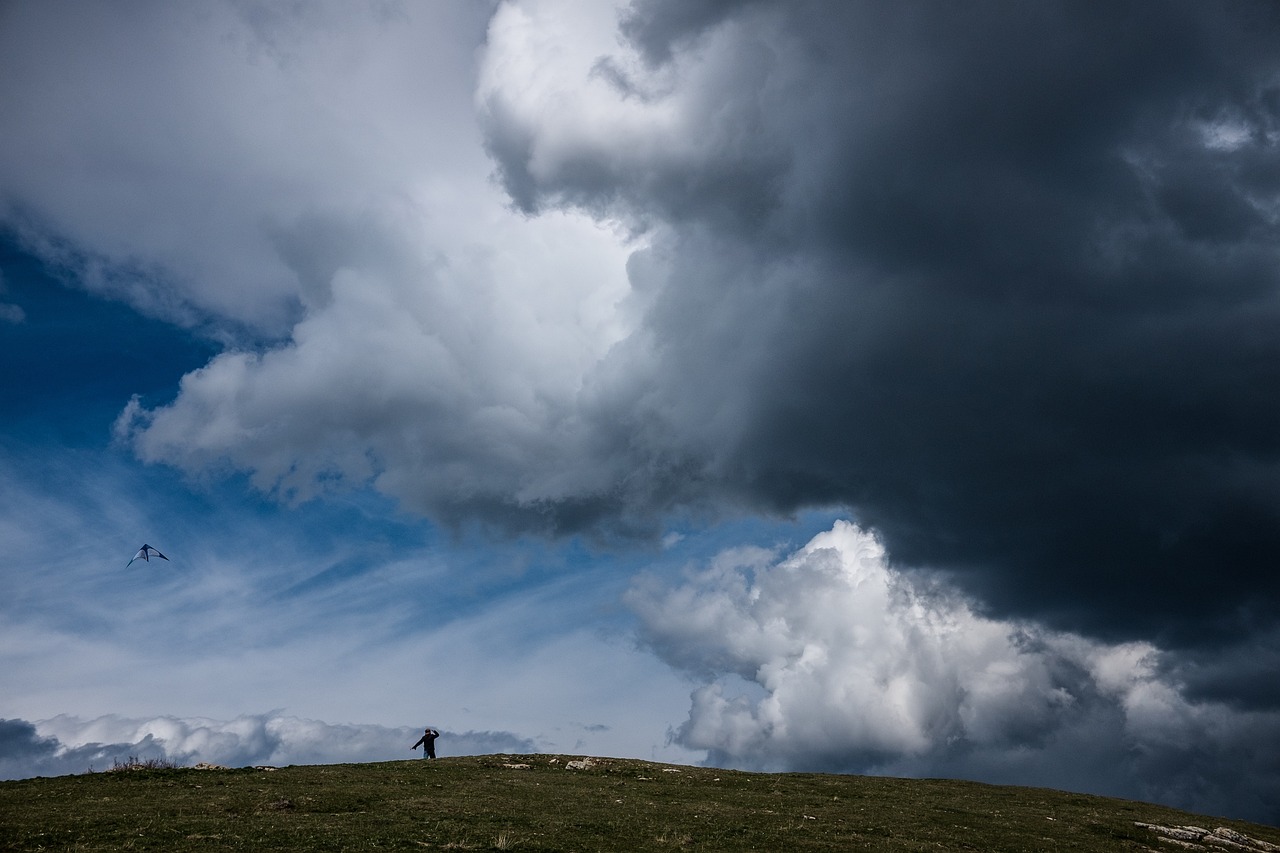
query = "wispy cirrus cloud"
x=263 y=605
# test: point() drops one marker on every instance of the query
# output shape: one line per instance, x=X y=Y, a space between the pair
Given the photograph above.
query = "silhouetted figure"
x=428 y=742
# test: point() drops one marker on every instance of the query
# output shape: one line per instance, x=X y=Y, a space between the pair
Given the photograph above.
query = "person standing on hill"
x=428 y=742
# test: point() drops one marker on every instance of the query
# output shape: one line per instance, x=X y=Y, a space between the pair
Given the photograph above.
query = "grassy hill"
x=543 y=802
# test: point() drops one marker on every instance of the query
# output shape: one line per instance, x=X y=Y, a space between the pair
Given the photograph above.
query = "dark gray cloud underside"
x=1002 y=278
x=25 y=753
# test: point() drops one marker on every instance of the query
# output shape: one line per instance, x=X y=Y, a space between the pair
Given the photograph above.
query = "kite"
x=145 y=553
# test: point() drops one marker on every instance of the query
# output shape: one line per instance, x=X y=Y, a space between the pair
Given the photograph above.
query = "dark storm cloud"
x=1001 y=277
x=18 y=740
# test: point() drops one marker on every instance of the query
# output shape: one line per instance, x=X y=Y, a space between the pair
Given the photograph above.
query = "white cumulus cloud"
x=310 y=186
x=828 y=659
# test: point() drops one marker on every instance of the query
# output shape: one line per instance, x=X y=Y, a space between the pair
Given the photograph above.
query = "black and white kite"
x=146 y=552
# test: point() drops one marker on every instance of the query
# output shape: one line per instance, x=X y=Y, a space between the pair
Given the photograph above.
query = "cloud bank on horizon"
x=66 y=745
x=999 y=281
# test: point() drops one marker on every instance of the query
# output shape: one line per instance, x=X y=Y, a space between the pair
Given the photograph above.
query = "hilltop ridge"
x=572 y=803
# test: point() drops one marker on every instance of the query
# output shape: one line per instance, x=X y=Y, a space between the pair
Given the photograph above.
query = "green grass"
x=477 y=803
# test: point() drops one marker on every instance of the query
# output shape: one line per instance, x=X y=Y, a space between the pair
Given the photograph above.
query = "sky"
x=833 y=386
